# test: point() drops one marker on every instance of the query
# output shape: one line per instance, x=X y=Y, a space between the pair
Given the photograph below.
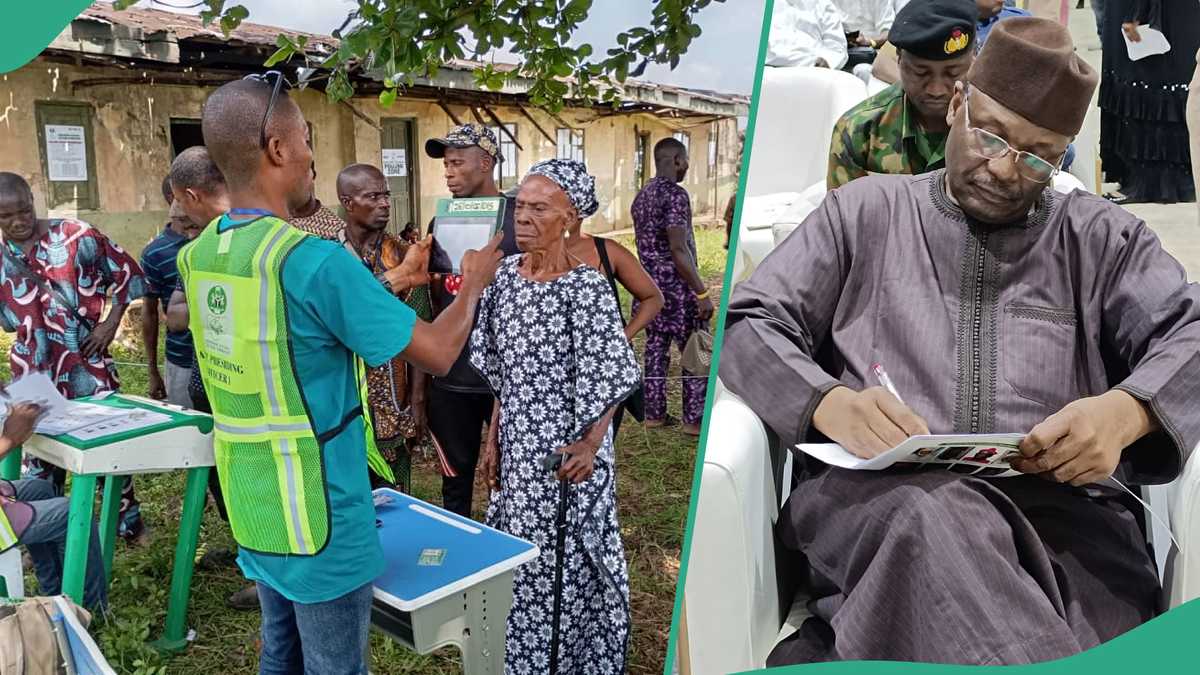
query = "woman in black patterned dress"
x=1143 y=125
x=549 y=341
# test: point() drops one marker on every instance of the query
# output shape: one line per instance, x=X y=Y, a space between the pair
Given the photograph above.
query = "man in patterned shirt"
x=666 y=245
x=56 y=278
x=903 y=128
x=317 y=220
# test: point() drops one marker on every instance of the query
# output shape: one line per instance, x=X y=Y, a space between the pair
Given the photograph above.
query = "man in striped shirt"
x=158 y=264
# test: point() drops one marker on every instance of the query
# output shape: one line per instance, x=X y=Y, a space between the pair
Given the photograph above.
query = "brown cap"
x=1029 y=66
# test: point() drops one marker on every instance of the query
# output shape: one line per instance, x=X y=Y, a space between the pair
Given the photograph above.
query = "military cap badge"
x=958 y=41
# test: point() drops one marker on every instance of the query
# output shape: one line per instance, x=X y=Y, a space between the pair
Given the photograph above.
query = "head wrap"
x=572 y=176
x=1029 y=66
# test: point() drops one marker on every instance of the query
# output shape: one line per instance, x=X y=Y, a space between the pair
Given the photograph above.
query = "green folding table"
x=181 y=442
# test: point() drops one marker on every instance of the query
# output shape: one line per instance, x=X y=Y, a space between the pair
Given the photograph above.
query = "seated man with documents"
x=998 y=307
x=33 y=515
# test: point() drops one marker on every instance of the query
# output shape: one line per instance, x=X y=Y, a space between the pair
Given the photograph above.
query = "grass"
x=655 y=468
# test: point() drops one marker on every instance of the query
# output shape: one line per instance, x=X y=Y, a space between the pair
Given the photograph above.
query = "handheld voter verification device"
x=461 y=225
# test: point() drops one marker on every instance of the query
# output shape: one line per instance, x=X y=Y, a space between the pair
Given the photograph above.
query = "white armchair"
x=797 y=109
x=735 y=612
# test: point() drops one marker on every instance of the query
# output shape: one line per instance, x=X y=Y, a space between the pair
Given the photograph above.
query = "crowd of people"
x=327 y=353
x=998 y=304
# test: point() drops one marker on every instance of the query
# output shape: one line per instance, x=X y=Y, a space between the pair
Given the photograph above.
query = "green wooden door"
x=396 y=141
x=68 y=154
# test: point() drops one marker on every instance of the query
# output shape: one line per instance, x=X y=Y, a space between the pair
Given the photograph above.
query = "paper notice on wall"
x=395 y=162
x=66 y=154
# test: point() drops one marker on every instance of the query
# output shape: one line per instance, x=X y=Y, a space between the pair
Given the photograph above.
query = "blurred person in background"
x=1143 y=129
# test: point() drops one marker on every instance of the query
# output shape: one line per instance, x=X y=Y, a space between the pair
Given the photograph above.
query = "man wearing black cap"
x=460 y=403
x=997 y=305
x=902 y=129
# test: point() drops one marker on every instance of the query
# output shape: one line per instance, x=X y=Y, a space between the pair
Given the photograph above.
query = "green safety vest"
x=268 y=456
x=375 y=459
x=8 y=538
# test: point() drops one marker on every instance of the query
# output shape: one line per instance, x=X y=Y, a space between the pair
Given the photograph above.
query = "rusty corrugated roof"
x=188 y=27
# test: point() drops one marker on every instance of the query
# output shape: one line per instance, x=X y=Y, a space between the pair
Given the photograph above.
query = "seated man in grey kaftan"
x=549 y=341
x=996 y=305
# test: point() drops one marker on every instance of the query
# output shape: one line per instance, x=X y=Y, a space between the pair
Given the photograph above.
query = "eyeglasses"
x=280 y=82
x=990 y=146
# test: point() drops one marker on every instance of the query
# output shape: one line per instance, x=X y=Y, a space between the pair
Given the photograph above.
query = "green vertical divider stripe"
x=29 y=26
x=747 y=149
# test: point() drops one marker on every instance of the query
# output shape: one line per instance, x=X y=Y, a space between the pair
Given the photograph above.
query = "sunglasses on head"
x=277 y=81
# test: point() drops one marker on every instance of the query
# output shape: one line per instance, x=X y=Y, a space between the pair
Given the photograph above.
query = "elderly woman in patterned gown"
x=549 y=342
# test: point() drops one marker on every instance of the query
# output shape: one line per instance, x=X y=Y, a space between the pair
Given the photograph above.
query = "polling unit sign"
x=66 y=152
x=395 y=162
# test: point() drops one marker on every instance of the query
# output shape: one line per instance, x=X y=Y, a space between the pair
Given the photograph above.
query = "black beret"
x=937 y=30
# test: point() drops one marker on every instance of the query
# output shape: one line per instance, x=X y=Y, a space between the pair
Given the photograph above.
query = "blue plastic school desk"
x=448 y=581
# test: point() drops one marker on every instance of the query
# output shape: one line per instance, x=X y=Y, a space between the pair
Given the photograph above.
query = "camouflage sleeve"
x=845 y=160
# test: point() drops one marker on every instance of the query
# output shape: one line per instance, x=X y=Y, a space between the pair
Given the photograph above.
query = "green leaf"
x=339 y=87
x=387 y=98
x=232 y=18
x=280 y=55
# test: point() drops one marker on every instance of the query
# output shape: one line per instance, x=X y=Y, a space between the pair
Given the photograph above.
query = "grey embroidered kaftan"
x=981 y=329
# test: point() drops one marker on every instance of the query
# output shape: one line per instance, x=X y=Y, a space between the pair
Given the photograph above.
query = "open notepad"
x=985 y=455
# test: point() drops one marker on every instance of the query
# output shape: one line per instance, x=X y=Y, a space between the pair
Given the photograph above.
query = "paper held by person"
x=81 y=419
x=985 y=455
x=1153 y=43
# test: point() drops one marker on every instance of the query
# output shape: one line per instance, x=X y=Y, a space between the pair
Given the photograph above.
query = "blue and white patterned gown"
x=556 y=356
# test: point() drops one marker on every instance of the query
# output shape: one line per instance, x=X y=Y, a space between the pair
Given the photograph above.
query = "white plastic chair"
x=732 y=599
x=735 y=612
x=797 y=108
x=12 y=572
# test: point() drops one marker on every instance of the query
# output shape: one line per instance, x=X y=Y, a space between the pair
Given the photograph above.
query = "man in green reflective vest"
x=278 y=317
x=33 y=515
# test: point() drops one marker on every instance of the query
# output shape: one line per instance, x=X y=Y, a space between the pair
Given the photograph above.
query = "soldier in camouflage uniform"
x=903 y=128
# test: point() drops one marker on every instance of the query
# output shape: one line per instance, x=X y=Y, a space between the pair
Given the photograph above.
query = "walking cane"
x=552 y=463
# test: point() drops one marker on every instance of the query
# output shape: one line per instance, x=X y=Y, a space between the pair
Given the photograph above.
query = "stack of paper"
x=82 y=420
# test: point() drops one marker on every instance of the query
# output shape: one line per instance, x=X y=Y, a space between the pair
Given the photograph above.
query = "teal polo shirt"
x=335 y=308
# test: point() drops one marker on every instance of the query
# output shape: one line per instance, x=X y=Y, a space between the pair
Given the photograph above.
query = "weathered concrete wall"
x=131 y=138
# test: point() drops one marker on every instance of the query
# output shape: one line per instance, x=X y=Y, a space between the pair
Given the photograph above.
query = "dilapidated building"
x=95 y=120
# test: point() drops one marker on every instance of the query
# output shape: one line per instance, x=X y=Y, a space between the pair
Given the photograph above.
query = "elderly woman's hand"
x=580 y=461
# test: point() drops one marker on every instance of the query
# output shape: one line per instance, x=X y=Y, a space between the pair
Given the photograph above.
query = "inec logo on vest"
x=218 y=302
x=217 y=320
